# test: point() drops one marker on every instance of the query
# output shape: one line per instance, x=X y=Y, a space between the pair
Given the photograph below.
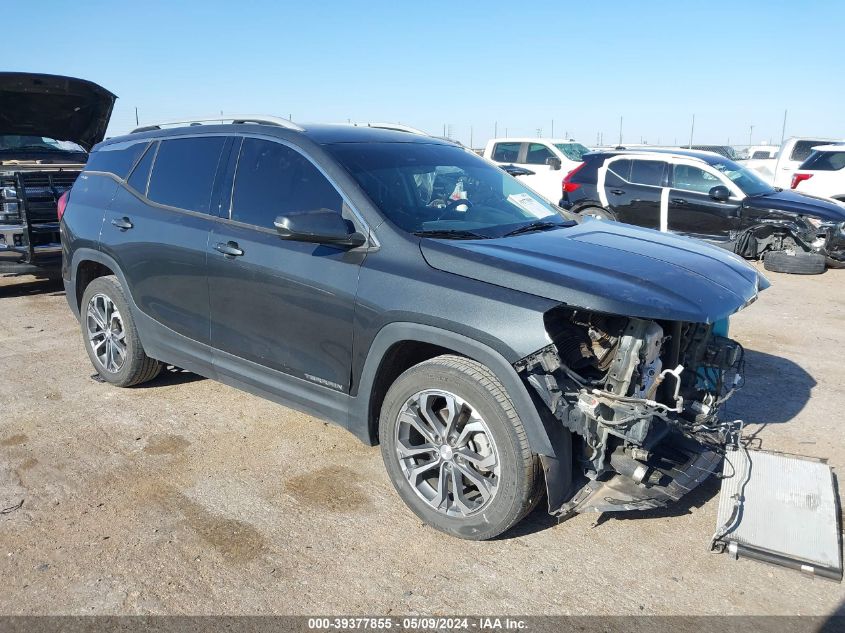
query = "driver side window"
x=691 y=178
x=273 y=179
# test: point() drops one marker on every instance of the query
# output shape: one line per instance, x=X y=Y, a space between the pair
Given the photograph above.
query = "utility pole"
x=553 y=128
x=783 y=129
x=691 y=131
x=495 y=129
x=750 y=132
x=444 y=130
x=620 y=130
x=539 y=132
x=506 y=132
x=470 y=137
x=597 y=139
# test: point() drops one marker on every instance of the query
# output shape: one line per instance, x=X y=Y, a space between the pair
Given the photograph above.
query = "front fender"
x=398 y=332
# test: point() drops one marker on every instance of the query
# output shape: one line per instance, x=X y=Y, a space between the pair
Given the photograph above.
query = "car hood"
x=799 y=203
x=609 y=267
x=62 y=108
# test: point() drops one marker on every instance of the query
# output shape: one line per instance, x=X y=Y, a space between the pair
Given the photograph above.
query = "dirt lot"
x=186 y=496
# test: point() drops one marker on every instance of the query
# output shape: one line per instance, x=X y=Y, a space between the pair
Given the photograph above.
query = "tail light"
x=62 y=204
x=799 y=178
x=568 y=185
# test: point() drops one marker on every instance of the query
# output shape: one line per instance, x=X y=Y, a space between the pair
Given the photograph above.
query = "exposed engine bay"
x=643 y=400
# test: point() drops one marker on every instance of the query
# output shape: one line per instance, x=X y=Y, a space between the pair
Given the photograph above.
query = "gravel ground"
x=186 y=496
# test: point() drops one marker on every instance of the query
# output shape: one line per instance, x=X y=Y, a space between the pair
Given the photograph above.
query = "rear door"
x=632 y=189
x=157 y=230
x=283 y=305
x=691 y=208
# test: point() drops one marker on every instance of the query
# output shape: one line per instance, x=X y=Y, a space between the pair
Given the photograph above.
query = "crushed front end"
x=643 y=400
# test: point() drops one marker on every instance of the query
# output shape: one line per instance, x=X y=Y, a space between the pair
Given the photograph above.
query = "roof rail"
x=396 y=127
x=261 y=119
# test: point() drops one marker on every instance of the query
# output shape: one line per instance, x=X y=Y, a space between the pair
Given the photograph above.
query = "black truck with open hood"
x=48 y=124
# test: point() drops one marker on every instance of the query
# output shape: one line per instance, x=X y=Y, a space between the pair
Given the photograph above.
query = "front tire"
x=110 y=336
x=795 y=263
x=599 y=213
x=455 y=449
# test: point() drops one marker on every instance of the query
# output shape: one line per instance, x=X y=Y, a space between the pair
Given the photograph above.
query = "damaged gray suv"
x=400 y=286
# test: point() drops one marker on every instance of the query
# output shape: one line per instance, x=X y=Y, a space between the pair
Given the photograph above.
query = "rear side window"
x=141 y=174
x=803 y=149
x=647 y=172
x=825 y=161
x=537 y=154
x=273 y=180
x=760 y=154
x=116 y=158
x=506 y=152
x=184 y=172
x=621 y=168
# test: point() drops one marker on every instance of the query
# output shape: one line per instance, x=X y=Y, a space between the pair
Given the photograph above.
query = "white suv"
x=823 y=173
x=541 y=163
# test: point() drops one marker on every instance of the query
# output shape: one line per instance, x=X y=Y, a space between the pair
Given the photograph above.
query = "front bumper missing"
x=681 y=468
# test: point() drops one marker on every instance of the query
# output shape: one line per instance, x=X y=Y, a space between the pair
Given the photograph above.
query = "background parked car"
x=823 y=173
x=778 y=169
x=47 y=125
x=704 y=195
x=540 y=163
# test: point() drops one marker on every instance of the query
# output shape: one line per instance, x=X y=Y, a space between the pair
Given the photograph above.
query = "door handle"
x=122 y=223
x=229 y=249
x=679 y=201
x=618 y=192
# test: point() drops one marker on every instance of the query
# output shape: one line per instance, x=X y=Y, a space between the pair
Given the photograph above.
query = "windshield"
x=573 y=151
x=428 y=188
x=750 y=183
x=17 y=142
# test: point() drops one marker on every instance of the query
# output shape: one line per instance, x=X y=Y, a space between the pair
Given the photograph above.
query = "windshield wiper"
x=451 y=234
x=539 y=225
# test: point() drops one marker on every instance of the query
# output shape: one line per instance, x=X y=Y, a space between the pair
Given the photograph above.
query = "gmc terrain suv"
x=414 y=293
x=47 y=125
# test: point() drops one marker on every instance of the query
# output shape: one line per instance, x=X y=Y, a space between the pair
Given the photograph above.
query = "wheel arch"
x=88 y=264
x=399 y=346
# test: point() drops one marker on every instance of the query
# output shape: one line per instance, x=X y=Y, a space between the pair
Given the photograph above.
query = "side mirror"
x=320 y=227
x=720 y=193
x=553 y=162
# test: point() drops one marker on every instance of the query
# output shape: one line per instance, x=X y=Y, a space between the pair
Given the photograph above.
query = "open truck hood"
x=609 y=267
x=62 y=108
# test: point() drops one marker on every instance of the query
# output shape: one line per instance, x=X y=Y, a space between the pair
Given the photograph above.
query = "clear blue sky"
x=521 y=64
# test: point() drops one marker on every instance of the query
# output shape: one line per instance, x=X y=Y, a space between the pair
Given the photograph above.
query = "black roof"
x=322 y=134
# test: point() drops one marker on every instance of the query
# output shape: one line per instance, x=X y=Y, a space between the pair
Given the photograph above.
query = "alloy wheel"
x=106 y=333
x=447 y=453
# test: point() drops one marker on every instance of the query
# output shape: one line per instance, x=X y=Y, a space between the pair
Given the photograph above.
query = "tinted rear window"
x=141 y=174
x=825 y=161
x=803 y=149
x=621 y=168
x=184 y=172
x=116 y=158
x=647 y=172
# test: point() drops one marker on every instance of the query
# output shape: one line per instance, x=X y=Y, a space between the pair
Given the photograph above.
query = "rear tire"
x=417 y=437
x=599 y=213
x=110 y=336
x=797 y=263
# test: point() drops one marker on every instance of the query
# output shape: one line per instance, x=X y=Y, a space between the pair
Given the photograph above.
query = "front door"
x=283 y=305
x=693 y=211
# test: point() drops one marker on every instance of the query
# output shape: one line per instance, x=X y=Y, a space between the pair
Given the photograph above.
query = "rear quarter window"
x=184 y=172
x=117 y=158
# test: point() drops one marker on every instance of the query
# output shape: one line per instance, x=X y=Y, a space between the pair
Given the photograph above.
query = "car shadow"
x=775 y=391
x=169 y=376
x=38 y=286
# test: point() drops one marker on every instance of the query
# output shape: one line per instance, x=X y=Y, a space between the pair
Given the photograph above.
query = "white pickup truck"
x=779 y=170
x=541 y=163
